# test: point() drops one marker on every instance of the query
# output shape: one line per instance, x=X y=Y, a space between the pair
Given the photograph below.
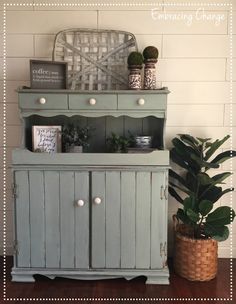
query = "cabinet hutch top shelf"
x=163 y=90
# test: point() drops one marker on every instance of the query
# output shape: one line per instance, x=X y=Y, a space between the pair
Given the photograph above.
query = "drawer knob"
x=92 y=101
x=42 y=100
x=97 y=200
x=80 y=203
x=141 y=101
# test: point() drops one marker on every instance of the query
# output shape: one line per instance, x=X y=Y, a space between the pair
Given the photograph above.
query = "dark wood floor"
x=121 y=291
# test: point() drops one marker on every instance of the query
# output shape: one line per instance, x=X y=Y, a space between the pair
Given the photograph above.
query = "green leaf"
x=183 y=149
x=211 y=182
x=205 y=207
x=204 y=164
x=213 y=193
x=183 y=217
x=222 y=157
x=221 y=216
x=208 y=144
x=180 y=188
x=179 y=178
x=210 y=194
x=177 y=159
x=219 y=233
x=192 y=182
x=185 y=152
x=204 y=179
x=190 y=203
x=190 y=140
x=194 y=216
x=220 y=177
x=187 y=203
x=203 y=140
x=175 y=195
x=214 y=146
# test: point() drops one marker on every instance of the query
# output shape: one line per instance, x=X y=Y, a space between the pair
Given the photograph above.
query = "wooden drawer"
x=142 y=102
x=93 y=101
x=43 y=101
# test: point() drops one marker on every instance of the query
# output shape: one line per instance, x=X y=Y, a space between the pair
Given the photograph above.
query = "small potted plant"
x=135 y=64
x=199 y=225
x=118 y=143
x=150 y=55
x=75 y=138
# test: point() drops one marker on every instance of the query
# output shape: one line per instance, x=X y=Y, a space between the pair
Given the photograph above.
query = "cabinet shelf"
x=154 y=158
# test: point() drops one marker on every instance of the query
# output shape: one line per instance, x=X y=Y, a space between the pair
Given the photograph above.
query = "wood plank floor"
x=134 y=291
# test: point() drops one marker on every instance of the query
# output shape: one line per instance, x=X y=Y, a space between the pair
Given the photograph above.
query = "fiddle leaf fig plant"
x=196 y=190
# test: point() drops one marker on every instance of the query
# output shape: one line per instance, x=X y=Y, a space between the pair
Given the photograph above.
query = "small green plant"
x=119 y=143
x=200 y=191
x=135 y=59
x=150 y=52
x=74 y=135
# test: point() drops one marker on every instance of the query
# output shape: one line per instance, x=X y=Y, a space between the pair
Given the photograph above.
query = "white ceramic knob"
x=97 y=200
x=80 y=203
x=141 y=101
x=42 y=100
x=92 y=101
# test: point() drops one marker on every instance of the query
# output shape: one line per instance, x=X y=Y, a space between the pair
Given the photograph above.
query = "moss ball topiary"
x=150 y=52
x=135 y=58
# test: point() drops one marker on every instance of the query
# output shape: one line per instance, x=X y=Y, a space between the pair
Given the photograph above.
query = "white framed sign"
x=46 y=139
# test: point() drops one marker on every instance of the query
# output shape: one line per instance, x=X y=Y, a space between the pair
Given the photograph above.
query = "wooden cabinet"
x=91 y=215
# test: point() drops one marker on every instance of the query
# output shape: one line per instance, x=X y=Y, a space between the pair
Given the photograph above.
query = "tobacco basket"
x=97 y=59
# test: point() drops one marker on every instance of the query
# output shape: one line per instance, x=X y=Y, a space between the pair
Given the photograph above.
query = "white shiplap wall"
x=194 y=64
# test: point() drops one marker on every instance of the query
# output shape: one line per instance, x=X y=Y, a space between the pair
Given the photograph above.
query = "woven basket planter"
x=195 y=259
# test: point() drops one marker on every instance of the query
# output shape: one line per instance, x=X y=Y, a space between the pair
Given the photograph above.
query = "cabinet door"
x=129 y=219
x=51 y=229
x=159 y=219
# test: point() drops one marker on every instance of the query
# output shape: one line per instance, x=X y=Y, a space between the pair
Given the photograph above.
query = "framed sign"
x=48 y=74
x=46 y=139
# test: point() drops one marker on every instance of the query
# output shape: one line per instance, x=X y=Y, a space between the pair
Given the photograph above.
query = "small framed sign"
x=46 y=139
x=48 y=74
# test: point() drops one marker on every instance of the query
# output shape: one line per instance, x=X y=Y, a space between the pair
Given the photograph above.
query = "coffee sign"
x=48 y=74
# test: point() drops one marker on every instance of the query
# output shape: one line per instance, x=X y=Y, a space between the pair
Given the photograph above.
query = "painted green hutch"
x=92 y=215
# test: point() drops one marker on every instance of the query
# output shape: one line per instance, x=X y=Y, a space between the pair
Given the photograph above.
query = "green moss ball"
x=150 y=52
x=135 y=58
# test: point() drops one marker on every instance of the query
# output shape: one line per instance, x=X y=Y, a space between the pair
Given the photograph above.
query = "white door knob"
x=92 y=101
x=97 y=200
x=42 y=100
x=80 y=203
x=141 y=101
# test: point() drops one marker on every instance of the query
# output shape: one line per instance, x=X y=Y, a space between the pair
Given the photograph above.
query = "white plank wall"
x=193 y=63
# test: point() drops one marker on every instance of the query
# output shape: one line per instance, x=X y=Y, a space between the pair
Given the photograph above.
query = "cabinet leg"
x=22 y=278
x=157 y=280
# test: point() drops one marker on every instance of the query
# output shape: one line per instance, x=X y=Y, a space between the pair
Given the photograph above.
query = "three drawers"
x=135 y=101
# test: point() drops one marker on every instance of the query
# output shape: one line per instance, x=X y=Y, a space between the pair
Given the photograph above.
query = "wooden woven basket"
x=194 y=259
x=97 y=59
